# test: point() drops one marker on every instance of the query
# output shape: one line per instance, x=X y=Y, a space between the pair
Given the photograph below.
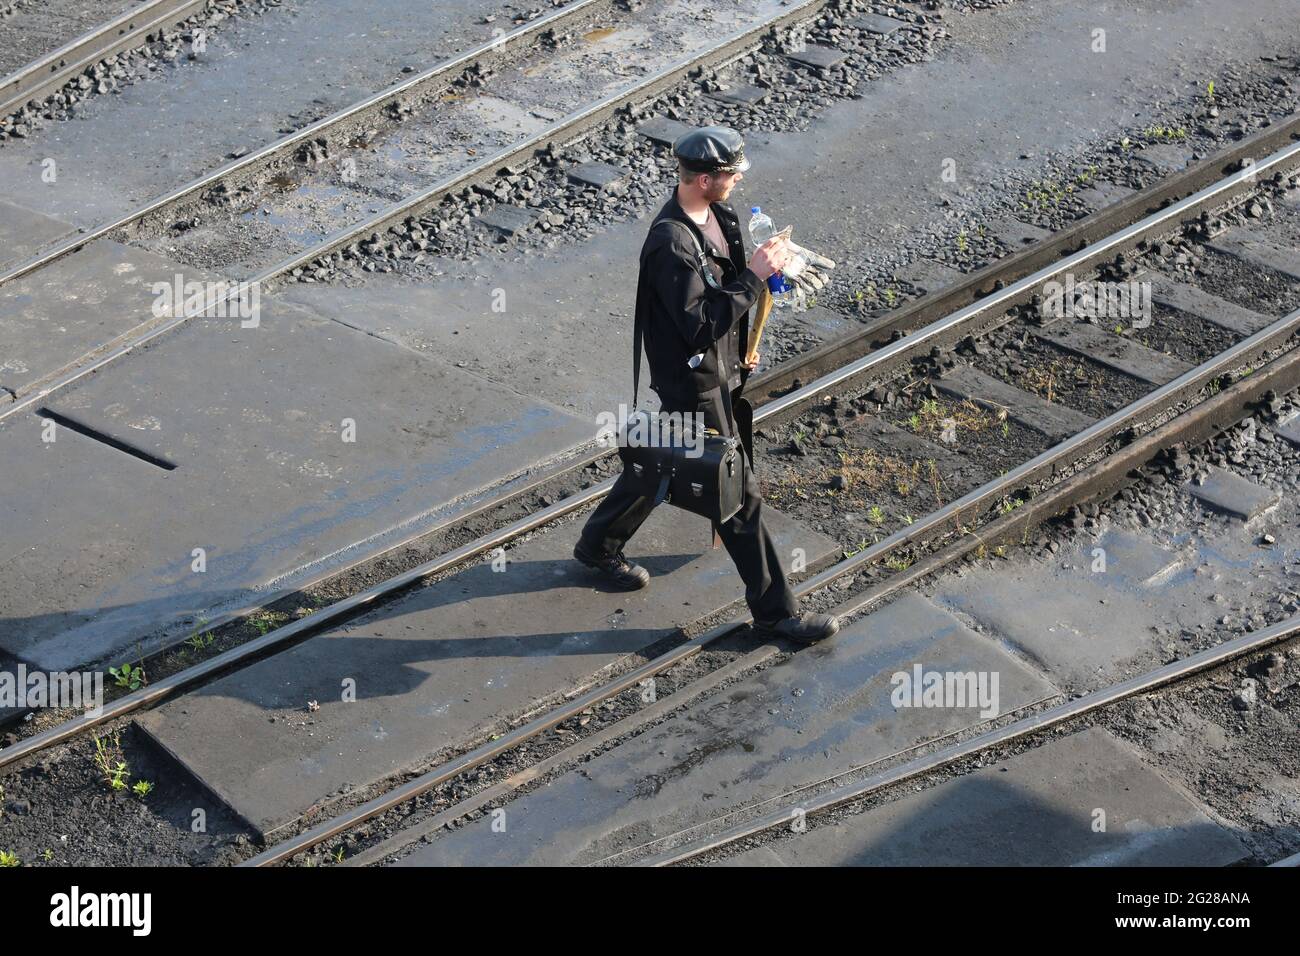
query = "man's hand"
x=754 y=364
x=769 y=258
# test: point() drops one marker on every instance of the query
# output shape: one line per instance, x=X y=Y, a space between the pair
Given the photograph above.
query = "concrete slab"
x=1015 y=235
x=598 y=175
x=442 y=666
x=1047 y=418
x=1231 y=494
x=508 y=219
x=826 y=710
x=1034 y=809
x=1113 y=351
x=1084 y=616
x=1101 y=194
x=86 y=301
x=1164 y=157
x=1289 y=430
x=928 y=276
x=265 y=482
x=663 y=131
x=743 y=95
x=878 y=24
x=24 y=233
x=1173 y=294
x=1257 y=252
x=557 y=329
x=817 y=57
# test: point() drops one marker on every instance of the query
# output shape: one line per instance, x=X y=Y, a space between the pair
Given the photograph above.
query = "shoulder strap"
x=638 y=332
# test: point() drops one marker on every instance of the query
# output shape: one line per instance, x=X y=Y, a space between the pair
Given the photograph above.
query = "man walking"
x=696 y=335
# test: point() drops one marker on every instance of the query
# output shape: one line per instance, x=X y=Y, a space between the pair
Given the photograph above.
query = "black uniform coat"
x=683 y=316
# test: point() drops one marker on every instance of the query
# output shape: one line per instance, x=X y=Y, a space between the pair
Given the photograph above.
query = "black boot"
x=806 y=628
x=616 y=569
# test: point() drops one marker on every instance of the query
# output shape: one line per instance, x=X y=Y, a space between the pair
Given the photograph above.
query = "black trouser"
x=750 y=544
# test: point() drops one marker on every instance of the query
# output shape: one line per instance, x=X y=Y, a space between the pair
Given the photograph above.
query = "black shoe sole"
x=772 y=630
x=623 y=584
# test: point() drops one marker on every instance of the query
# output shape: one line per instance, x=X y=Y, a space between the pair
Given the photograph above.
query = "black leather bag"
x=703 y=474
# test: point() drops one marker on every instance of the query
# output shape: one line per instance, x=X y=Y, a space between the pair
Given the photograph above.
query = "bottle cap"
x=755 y=210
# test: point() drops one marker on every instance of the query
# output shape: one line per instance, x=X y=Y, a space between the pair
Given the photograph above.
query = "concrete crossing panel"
x=24 y=233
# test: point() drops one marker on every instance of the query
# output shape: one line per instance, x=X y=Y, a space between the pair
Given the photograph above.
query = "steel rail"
x=425 y=83
x=1278 y=331
x=1087 y=703
x=564 y=131
x=49 y=73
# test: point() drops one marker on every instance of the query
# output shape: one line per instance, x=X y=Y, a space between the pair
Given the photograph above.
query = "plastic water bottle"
x=761 y=230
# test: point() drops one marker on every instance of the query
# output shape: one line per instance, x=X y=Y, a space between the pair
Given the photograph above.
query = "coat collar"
x=726 y=219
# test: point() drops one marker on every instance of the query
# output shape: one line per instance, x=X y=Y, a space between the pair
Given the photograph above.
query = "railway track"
x=979 y=305
x=1099 y=456
x=128 y=30
x=260 y=165
x=264 y=164
x=461 y=175
x=778 y=812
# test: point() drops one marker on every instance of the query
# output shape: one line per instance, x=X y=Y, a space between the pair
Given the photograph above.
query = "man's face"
x=718 y=186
